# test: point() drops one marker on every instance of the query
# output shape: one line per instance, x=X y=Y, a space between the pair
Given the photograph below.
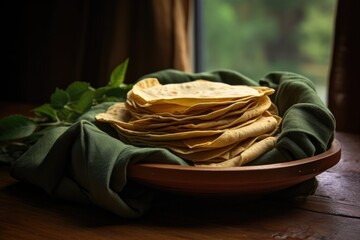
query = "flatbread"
x=206 y=123
x=150 y=91
x=149 y=96
x=222 y=118
x=251 y=153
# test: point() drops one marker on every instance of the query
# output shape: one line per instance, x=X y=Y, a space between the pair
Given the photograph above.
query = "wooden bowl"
x=243 y=180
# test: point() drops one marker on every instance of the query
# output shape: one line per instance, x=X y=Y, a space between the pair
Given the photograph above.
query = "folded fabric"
x=87 y=162
x=83 y=163
x=307 y=127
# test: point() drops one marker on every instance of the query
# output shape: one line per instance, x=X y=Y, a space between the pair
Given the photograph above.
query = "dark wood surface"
x=333 y=212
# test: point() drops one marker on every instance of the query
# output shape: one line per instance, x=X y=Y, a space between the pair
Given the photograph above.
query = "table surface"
x=333 y=212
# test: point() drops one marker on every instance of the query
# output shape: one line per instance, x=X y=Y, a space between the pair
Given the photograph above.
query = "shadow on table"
x=166 y=210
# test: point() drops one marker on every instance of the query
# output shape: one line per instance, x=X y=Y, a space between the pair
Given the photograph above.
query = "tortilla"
x=152 y=97
x=150 y=91
x=221 y=118
x=206 y=123
x=251 y=153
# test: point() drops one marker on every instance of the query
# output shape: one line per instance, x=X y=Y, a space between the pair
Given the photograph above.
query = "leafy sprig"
x=19 y=132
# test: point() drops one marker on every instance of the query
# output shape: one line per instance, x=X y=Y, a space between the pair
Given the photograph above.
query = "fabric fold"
x=308 y=126
x=84 y=164
x=87 y=162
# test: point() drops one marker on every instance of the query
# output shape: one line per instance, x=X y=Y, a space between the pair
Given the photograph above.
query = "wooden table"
x=332 y=213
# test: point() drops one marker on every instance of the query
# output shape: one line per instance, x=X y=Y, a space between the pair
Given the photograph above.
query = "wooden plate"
x=244 y=180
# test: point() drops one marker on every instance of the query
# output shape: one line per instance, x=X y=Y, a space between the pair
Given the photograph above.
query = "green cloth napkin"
x=308 y=126
x=87 y=162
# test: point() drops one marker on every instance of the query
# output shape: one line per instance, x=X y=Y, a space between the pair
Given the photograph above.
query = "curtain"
x=50 y=44
x=153 y=34
x=344 y=85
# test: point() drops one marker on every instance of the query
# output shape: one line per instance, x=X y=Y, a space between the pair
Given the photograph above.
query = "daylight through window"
x=261 y=36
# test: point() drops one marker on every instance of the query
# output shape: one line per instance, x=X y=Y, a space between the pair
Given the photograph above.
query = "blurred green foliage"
x=255 y=37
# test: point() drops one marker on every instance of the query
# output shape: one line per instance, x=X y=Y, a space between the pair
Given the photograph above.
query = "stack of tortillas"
x=207 y=123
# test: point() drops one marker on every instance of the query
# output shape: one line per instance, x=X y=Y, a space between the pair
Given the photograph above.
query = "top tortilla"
x=150 y=91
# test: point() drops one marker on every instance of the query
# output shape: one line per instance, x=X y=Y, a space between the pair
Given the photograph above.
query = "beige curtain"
x=344 y=90
x=53 y=43
x=50 y=44
x=153 y=34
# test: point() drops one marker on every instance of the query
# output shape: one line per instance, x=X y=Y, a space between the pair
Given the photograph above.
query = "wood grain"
x=333 y=212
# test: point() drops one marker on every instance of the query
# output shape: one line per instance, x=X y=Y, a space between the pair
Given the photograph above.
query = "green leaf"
x=15 y=127
x=126 y=87
x=117 y=92
x=100 y=92
x=112 y=94
x=118 y=74
x=47 y=111
x=111 y=99
x=76 y=89
x=85 y=102
x=59 y=98
x=65 y=114
x=79 y=99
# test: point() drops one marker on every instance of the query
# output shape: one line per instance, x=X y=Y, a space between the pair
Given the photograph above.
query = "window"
x=255 y=37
